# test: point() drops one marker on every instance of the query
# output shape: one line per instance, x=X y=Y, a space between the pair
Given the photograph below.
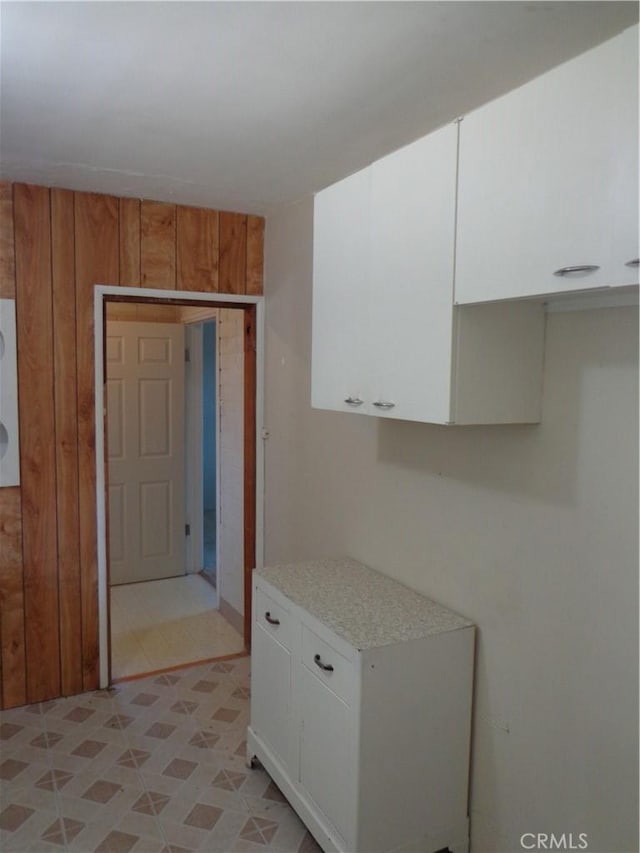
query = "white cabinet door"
x=625 y=181
x=341 y=293
x=271 y=693
x=548 y=181
x=327 y=768
x=412 y=244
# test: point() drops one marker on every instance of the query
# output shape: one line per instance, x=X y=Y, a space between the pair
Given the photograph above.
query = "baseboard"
x=231 y=615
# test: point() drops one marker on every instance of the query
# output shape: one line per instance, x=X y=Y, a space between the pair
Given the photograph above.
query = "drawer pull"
x=577 y=269
x=325 y=667
x=353 y=401
x=383 y=404
x=270 y=619
x=634 y=263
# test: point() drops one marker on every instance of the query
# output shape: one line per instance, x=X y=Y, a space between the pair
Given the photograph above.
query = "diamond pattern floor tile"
x=149 y=766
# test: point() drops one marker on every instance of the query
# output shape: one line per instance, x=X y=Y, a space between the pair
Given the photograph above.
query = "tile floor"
x=165 y=623
x=156 y=764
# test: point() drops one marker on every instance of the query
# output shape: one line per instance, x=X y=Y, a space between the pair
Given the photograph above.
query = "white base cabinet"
x=361 y=707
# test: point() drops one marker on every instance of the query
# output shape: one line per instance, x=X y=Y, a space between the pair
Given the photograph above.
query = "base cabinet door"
x=326 y=764
x=271 y=693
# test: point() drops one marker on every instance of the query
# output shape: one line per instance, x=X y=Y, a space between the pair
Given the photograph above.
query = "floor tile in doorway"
x=164 y=623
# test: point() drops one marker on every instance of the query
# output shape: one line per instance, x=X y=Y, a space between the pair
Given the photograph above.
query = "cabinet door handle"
x=353 y=401
x=578 y=268
x=383 y=404
x=325 y=667
x=270 y=619
x=634 y=263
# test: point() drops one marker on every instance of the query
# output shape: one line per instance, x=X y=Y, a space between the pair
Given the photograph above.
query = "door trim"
x=254 y=464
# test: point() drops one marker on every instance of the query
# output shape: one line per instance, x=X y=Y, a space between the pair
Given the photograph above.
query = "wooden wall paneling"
x=249 y=463
x=130 y=242
x=127 y=311
x=197 y=236
x=255 y=255
x=37 y=439
x=12 y=646
x=142 y=313
x=159 y=314
x=96 y=254
x=158 y=245
x=233 y=252
x=196 y=314
x=13 y=685
x=7 y=255
x=66 y=414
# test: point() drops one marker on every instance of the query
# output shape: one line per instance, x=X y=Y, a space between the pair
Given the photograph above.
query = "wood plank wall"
x=55 y=245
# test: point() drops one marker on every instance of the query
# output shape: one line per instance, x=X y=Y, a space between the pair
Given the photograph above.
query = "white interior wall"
x=230 y=572
x=532 y=531
x=193 y=448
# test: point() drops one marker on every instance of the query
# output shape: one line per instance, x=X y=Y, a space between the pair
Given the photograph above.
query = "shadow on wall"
x=531 y=461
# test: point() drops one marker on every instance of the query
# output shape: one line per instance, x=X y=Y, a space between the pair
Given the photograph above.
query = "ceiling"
x=246 y=105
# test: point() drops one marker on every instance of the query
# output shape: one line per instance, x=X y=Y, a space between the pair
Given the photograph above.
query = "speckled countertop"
x=364 y=607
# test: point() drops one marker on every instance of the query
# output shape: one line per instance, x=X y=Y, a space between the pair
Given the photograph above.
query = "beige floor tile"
x=212 y=776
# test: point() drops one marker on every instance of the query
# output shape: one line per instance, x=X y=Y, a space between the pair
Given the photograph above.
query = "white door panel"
x=145 y=419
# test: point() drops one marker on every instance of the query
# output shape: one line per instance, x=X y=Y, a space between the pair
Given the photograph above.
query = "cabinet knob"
x=325 y=667
x=634 y=263
x=353 y=401
x=383 y=404
x=577 y=269
x=270 y=619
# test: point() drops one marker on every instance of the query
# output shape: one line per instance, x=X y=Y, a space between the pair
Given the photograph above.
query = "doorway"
x=248 y=310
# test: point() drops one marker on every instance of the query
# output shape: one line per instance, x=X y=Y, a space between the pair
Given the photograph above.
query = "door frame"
x=253 y=307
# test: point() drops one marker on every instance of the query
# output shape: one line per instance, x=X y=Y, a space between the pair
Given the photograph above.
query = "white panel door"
x=411 y=313
x=145 y=418
x=230 y=570
x=549 y=181
x=341 y=294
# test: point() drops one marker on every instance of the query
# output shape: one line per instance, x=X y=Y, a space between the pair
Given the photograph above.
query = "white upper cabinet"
x=340 y=293
x=411 y=315
x=387 y=339
x=548 y=182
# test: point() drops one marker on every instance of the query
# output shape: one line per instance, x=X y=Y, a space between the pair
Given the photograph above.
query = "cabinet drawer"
x=332 y=668
x=275 y=619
